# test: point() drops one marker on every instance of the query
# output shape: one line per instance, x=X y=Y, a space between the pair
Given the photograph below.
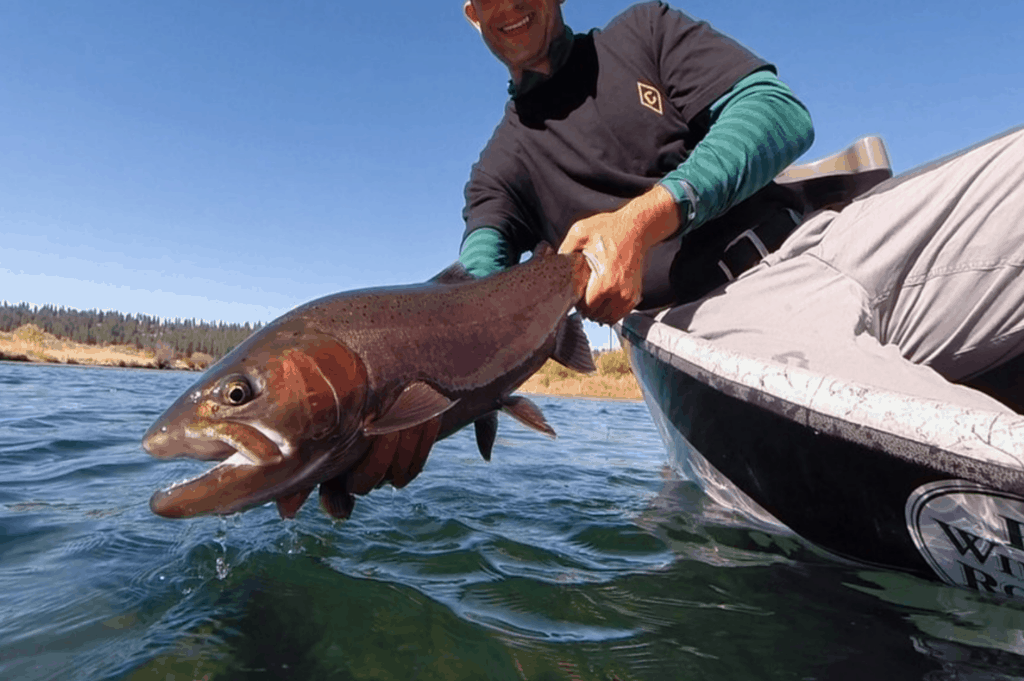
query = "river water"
x=578 y=558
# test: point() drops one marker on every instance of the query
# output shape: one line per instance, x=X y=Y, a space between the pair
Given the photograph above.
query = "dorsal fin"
x=572 y=349
x=486 y=428
x=527 y=413
x=419 y=402
x=453 y=274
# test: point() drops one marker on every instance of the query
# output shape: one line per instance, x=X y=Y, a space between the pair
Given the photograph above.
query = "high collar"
x=558 y=54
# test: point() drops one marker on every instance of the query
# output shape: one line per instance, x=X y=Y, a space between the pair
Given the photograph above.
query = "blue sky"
x=230 y=160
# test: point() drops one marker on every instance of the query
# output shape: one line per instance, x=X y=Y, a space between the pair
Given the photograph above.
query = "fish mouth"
x=230 y=486
x=250 y=470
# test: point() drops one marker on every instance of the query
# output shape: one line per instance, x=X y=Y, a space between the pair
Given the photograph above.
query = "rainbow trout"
x=301 y=402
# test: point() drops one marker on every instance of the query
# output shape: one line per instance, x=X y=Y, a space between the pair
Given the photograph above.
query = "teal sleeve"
x=757 y=129
x=486 y=251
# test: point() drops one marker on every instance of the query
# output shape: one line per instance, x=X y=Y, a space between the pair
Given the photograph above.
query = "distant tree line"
x=93 y=327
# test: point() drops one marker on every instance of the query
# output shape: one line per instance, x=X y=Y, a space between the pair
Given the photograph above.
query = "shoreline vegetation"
x=613 y=379
x=28 y=343
x=168 y=339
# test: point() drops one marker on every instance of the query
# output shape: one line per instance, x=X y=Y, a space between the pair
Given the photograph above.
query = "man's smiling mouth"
x=519 y=26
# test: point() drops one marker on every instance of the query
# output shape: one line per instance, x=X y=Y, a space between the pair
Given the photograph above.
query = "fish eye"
x=236 y=391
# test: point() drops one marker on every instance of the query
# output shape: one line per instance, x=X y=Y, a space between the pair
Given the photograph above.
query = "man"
x=620 y=140
x=659 y=131
x=615 y=140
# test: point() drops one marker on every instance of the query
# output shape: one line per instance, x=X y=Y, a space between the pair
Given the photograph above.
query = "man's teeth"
x=519 y=24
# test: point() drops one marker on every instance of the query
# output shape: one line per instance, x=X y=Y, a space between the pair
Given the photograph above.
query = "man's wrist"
x=655 y=216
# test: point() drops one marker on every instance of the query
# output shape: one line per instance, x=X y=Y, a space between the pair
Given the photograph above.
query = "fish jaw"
x=246 y=479
x=229 y=487
x=214 y=441
x=252 y=467
x=164 y=441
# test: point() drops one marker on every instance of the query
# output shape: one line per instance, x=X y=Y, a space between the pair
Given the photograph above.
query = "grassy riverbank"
x=29 y=343
x=613 y=380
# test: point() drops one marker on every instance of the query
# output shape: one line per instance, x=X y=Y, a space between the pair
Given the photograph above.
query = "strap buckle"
x=755 y=241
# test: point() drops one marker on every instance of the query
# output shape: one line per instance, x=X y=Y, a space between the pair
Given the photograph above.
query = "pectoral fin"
x=486 y=430
x=335 y=499
x=527 y=413
x=418 y=403
x=288 y=506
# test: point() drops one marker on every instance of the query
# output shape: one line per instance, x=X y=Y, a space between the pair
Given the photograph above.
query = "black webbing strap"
x=689 y=267
x=753 y=244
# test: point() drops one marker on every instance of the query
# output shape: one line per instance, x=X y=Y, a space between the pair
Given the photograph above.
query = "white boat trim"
x=909 y=426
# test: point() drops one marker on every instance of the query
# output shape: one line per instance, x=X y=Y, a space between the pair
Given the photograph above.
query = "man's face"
x=518 y=32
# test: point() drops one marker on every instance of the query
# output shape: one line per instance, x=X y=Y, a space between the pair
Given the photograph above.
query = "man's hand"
x=617 y=243
x=395 y=457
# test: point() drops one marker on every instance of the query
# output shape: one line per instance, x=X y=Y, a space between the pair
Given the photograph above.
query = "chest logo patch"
x=650 y=97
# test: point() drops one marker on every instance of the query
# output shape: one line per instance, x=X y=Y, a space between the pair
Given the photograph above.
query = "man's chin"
x=519 y=58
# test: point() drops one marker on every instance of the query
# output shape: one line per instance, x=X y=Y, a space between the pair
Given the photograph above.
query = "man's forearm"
x=486 y=251
x=654 y=216
x=758 y=128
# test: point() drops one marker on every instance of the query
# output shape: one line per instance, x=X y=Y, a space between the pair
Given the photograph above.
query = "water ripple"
x=579 y=558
